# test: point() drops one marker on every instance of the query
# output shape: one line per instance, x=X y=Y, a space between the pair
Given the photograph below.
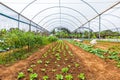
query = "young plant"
x=33 y=76
x=30 y=70
x=47 y=62
x=46 y=65
x=76 y=65
x=43 y=70
x=69 y=66
x=69 y=77
x=45 y=77
x=59 y=77
x=81 y=76
x=39 y=61
x=21 y=75
x=65 y=70
x=53 y=70
x=33 y=65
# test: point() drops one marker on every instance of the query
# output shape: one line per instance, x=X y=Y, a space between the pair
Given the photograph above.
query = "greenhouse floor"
x=93 y=67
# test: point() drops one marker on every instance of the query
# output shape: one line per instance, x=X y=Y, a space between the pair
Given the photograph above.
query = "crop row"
x=104 y=54
x=58 y=63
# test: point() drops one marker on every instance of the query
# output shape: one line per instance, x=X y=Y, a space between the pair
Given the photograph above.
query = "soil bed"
x=50 y=60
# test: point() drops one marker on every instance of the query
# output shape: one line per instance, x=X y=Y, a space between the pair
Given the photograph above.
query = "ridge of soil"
x=8 y=73
x=96 y=68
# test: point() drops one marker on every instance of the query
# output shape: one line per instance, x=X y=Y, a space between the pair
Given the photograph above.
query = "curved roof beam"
x=58 y=23
x=109 y=22
x=112 y=15
x=101 y=24
x=27 y=6
x=93 y=27
x=81 y=0
x=86 y=28
x=61 y=19
x=60 y=27
x=59 y=7
x=54 y=24
x=103 y=12
x=90 y=6
x=62 y=14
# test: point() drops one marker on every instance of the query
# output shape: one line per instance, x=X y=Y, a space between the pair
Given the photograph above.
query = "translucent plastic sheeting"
x=77 y=11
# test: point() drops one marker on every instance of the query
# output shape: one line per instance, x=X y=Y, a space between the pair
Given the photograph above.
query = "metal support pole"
x=99 y=26
x=18 y=21
x=89 y=31
x=30 y=26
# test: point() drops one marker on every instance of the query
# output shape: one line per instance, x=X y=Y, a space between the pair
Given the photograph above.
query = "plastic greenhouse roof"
x=70 y=14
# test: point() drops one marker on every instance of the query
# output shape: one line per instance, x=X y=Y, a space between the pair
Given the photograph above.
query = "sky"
x=70 y=14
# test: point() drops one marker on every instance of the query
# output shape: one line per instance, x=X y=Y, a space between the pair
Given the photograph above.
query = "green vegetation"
x=81 y=76
x=33 y=76
x=20 y=44
x=30 y=70
x=39 y=61
x=65 y=70
x=104 y=54
x=45 y=77
x=69 y=77
x=59 y=77
x=21 y=75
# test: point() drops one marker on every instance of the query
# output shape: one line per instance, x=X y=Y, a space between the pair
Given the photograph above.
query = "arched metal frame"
x=101 y=24
x=99 y=15
x=111 y=15
x=59 y=18
x=108 y=22
x=86 y=28
x=60 y=27
x=53 y=25
x=57 y=21
x=58 y=7
x=62 y=14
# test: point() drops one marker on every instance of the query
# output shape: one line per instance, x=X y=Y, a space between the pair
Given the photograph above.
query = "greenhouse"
x=59 y=39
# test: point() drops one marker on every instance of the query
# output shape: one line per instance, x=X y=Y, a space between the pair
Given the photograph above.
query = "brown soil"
x=93 y=67
x=96 y=68
x=9 y=73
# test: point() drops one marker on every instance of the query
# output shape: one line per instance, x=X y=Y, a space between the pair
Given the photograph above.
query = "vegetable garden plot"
x=57 y=63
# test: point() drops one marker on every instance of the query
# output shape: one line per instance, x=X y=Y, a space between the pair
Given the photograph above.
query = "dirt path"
x=96 y=68
x=9 y=73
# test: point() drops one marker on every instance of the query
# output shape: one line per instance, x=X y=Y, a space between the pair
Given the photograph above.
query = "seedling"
x=45 y=77
x=69 y=66
x=58 y=58
x=47 y=62
x=69 y=77
x=81 y=76
x=53 y=70
x=59 y=77
x=46 y=65
x=33 y=76
x=55 y=62
x=65 y=70
x=39 y=61
x=76 y=65
x=66 y=59
x=21 y=75
x=30 y=70
x=57 y=55
x=33 y=65
x=58 y=65
x=43 y=70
